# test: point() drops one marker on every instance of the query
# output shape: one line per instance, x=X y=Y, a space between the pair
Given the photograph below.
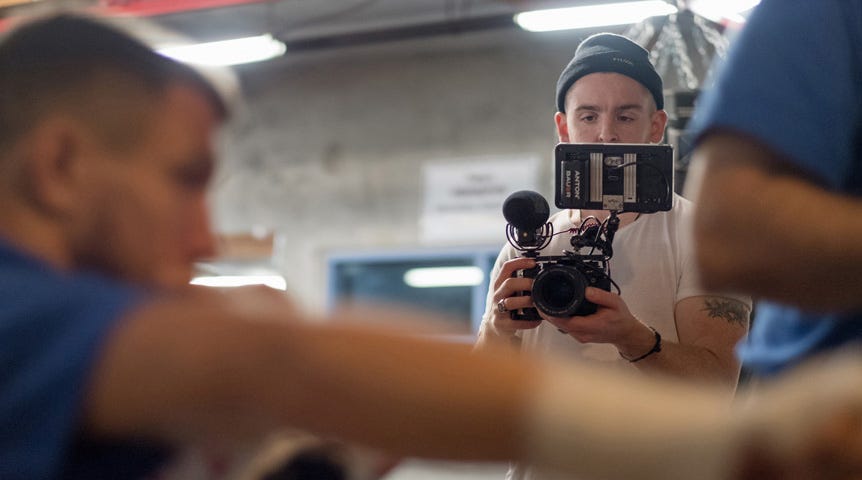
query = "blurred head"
x=610 y=93
x=109 y=144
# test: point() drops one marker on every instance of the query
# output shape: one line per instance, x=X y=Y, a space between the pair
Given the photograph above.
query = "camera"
x=558 y=286
x=559 y=282
x=617 y=177
x=620 y=177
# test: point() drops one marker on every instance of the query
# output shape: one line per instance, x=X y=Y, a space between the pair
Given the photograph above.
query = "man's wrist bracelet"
x=655 y=348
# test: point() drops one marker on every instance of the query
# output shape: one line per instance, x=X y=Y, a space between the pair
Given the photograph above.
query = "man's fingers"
x=512 y=286
x=601 y=297
x=509 y=268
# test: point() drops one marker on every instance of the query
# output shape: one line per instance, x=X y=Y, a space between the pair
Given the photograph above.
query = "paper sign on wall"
x=463 y=199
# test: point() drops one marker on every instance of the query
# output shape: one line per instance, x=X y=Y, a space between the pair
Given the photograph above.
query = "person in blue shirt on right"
x=777 y=176
x=779 y=145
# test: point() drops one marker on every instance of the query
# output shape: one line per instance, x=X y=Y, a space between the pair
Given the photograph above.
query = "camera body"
x=619 y=177
x=559 y=283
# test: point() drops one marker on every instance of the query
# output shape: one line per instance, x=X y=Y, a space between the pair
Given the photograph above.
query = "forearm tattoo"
x=731 y=310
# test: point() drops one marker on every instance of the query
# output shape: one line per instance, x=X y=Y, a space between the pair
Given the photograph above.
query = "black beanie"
x=607 y=52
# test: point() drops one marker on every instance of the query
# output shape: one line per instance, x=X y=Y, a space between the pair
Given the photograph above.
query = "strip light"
x=589 y=16
x=227 y=52
x=443 y=277
x=273 y=281
x=717 y=11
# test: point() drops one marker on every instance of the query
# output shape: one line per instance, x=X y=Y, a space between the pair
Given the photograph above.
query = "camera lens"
x=558 y=290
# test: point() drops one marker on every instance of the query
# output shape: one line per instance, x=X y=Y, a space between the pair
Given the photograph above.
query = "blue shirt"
x=52 y=328
x=793 y=81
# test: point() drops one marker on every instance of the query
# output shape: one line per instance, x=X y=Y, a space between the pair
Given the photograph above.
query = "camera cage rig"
x=597 y=236
x=559 y=281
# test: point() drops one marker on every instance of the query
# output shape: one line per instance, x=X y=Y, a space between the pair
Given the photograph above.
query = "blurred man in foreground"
x=780 y=172
x=777 y=174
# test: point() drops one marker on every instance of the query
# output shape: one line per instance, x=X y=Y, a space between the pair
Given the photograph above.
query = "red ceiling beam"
x=148 y=8
x=152 y=8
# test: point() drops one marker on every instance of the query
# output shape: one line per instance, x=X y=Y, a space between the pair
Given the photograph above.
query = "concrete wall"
x=329 y=146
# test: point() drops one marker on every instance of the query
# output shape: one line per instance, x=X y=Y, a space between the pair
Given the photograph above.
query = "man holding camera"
x=661 y=321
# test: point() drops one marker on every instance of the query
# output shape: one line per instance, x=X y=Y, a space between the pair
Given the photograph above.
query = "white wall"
x=329 y=146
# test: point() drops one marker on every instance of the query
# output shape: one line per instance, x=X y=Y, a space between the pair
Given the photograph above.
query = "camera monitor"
x=620 y=177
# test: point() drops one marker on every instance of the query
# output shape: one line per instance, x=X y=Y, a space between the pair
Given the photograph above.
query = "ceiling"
x=317 y=25
x=304 y=24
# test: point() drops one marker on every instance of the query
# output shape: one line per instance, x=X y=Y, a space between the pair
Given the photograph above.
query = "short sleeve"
x=792 y=81
x=51 y=332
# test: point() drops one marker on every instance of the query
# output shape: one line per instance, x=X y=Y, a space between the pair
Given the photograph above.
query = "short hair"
x=68 y=60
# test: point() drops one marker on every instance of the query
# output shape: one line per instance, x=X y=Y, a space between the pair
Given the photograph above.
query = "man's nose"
x=608 y=132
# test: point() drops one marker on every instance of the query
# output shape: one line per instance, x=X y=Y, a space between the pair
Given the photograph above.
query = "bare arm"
x=708 y=328
x=188 y=368
x=768 y=230
x=196 y=366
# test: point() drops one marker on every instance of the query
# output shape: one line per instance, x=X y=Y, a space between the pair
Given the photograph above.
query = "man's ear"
x=562 y=127
x=53 y=154
x=658 y=123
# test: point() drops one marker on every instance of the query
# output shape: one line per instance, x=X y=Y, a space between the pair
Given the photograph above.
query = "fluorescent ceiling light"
x=592 y=15
x=443 y=277
x=274 y=281
x=719 y=10
x=227 y=52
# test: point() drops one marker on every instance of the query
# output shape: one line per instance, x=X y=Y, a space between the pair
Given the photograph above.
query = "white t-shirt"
x=654 y=267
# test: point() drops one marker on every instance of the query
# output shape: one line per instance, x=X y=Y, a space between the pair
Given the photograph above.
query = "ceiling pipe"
x=399 y=33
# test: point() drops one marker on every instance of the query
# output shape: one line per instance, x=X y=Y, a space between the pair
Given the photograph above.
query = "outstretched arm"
x=194 y=366
x=247 y=363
